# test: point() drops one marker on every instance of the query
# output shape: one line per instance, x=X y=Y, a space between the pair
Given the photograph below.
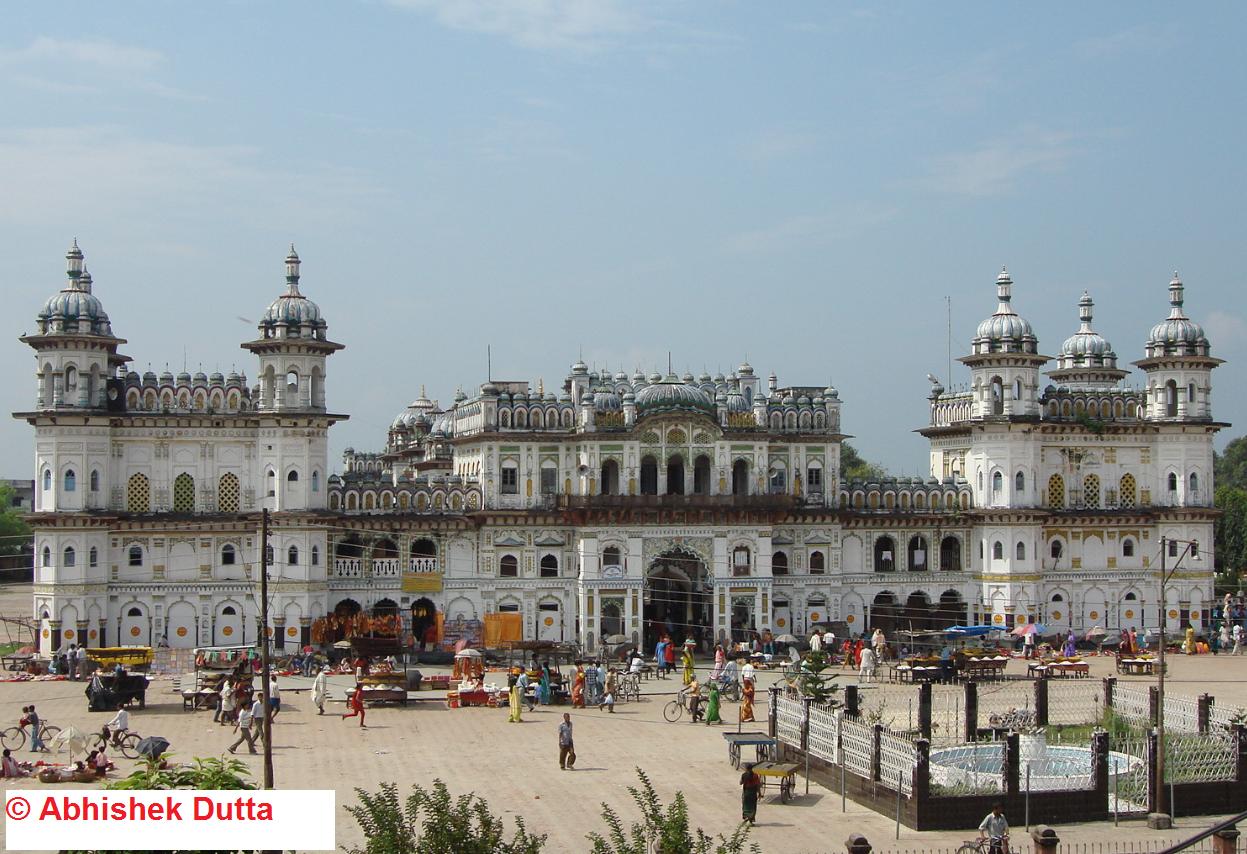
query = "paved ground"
x=514 y=766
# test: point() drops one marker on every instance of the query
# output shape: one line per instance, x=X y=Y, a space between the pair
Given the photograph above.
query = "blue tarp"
x=970 y=631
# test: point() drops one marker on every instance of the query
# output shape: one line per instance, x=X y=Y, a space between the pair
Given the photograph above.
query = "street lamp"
x=1163 y=820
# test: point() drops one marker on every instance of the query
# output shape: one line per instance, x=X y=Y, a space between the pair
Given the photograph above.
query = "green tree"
x=430 y=821
x=664 y=831
x=853 y=467
x=813 y=681
x=1230 y=530
x=1230 y=468
x=14 y=532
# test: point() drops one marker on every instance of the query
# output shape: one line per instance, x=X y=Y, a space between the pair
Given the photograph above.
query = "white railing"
x=857 y=742
x=1133 y=704
x=386 y=567
x=1181 y=714
x=898 y=757
x=788 y=717
x=824 y=736
x=422 y=564
x=1074 y=701
x=348 y=567
x=1192 y=757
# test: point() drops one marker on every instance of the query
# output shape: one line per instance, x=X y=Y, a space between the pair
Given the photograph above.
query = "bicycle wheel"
x=47 y=733
x=673 y=711
x=14 y=738
x=95 y=741
x=732 y=692
x=968 y=848
x=129 y=745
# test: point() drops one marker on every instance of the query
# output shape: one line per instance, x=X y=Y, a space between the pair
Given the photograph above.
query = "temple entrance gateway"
x=678 y=599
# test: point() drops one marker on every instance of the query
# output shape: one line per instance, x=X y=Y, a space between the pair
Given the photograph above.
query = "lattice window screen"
x=138 y=494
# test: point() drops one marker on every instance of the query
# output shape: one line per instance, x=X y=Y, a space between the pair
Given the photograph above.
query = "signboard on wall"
x=422 y=582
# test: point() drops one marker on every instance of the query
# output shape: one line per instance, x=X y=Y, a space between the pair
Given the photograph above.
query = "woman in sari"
x=750 y=785
x=1070 y=645
x=746 y=699
x=514 y=699
x=720 y=659
x=712 y=704
x=578 y=687
x=687 y=661
x=543 y=686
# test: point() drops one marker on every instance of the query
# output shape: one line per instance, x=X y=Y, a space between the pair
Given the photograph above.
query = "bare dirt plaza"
x=515 y=768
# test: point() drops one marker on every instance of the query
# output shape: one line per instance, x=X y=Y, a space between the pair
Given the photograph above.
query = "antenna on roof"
x=668 y=361
x=489 y=364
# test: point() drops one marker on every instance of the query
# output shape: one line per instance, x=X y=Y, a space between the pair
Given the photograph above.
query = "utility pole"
x=267 y=721
x=1160 y=680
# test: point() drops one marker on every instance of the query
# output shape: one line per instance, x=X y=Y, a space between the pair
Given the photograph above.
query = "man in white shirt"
x=118 y=726
x=816 y=641
x=746 y=672
x=81 y=663
x=995 y=829
x=244 y=727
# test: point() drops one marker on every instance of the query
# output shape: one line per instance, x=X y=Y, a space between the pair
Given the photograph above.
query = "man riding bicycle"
x=118 y=726
x=995 y=827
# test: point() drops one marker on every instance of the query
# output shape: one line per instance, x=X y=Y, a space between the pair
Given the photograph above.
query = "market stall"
x=115 y=683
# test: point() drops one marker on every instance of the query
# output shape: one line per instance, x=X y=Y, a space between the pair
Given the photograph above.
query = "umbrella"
x=615 y=639
x=342 y=644
x=153 y=746
x=467 y=652
x=969 y=631
x=71 y=737
x=1094 y=633
x=786 y=639
x=1028 y=629
x=690 y=642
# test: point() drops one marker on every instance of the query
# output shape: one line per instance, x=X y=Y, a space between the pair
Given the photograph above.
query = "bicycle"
x=629 y=686
x=127 y=743
x=995 y=845
x=730 y=690
x=675 y=709
x=14 y=738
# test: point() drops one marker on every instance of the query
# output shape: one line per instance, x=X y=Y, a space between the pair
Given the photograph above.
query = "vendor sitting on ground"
x=10 y=767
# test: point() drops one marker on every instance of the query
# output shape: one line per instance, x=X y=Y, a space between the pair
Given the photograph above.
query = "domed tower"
x=292 y=349
x=1178 y=364
x=1087 y=358
x=76 y=358
x=1004 y=361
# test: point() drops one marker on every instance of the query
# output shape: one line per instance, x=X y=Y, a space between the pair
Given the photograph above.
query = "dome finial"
x=73 y=259
x=85 y=281
x=1004 y=286
x=1176 y=296
x=1084 y=310
x=292 y=272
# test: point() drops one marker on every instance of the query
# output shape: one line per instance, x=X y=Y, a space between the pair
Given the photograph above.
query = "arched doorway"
x=917 y=614
x=675 y=475
x=609 y=484
x=227 y=629
x=884 y=612
x=952 y=610
x=740 y=478
x=424 y=618
x=345 y=608
x=180 y=626
x=649 y=476
x=135 y=629
x=701 y=475
x=677 y=598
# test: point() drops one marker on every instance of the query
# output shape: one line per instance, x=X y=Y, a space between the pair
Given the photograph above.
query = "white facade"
x=708 y=506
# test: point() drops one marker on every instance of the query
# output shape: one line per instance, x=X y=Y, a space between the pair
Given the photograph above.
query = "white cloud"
x=100 y=54
x=996 y=166
x=810 y=229
x=572 y=25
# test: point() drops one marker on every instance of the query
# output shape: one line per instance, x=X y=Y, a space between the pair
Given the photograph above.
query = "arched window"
x=998 y=396
x=1171 y=399
x=269 y=557
x=1127 y=547
x=184 y=493
x=1173 y=482
x=315 y=555
x=817 y=563
x=271 y=483
x=71 y=480
x=1091 y=491
x=315 y=481
x=228 y=555
x=138 y=494
x=509 y=567
x=137 y=612
x=675 y=475
x=998 y=486
x=918 y=554
x=1194 y=484
x=1017 y=389
x=292 y=476
x=47 y=480
x=608 y=483
x=93 y=557
x=135 y=555
x=1056 y=549
x=998 y=550
x=1021 y=551
x=1127 y=495
x=1056 y=492
x=950 y=554
x=814 y=478
x=649 y=476
x=701 y=475
x=610 y=556
x=1019 y=483
x=740 y=561
x=740 y=477
x=292 y=556
x=95 y=481
x=47 y=557
x=549 y=567
x=779 y=563
x=885 y=554
x=68 y=556
x=779 y=479
x=227 y=493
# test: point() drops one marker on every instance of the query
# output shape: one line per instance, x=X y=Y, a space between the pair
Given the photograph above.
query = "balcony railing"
x=388 y=567
x=761 y=502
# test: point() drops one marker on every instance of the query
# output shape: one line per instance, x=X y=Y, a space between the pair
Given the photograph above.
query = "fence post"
x=876 y=760
x=1013 y=766
x=972 y=711
x=1099 y=764
x=1240 y=753
x=805 y=723
x=924 y=709
x=1225 y=841
x=1153 y=784
x=922 y=773
x=1045 y=839
x=1203 y=710
x=1153 y=705
x=1041 y=701
x=856 y=844
x=1110 y=682
x=852 y=701
x=772 y=715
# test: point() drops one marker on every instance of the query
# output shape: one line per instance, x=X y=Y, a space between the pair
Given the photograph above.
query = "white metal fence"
x=1193 y=757
x=1181 y=714
x=788 y=717
x=857 y=743
x=824 y=737
x=1074 y=701
x=1132 y=704
x=897 y=759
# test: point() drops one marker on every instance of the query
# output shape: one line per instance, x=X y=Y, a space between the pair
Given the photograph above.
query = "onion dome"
x=672 y=395
x=217 y=380
x=621 y=377
x=745 y=369
x=719 y=378
x=200 y=378
x=605 y=400
x=460 y=397
x=628 y=398
x=75 y=310
x=488 y=389
x=133 y=379
x=803 y=400
x=736 y=401
x=565 y=397
x=1005 y=331
x=184 y=378
x=149 y=379
x=705 y=377
x=688 y=378
x=166 y=377
x=1177 y=335
x=789 y=400
x=1086 y=347
x=830 y=392
x=292 y=310
x=579 y=369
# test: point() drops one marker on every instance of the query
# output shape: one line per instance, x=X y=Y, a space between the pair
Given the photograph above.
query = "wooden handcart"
x=782 y=773
x=764 y=746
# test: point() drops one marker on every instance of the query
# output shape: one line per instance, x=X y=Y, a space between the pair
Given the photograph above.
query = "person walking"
x=867 y=671
x=816 y=641
x=274 y=697
x=746 y=691
x=36 y=738
x=356 y=704
x=513 y=701
x=522 y=682
x=668 y=656
x=608 y=696
x=687 y=661
x=320 y=690
x=543 y=687
x=71 y=662
x=244 y=726
x=82 y=662
x=567 y=746
x=1071 y=645
x=880 y=642
x=660 y=657
x=1237 y=634
x=750 y=786
x=578 y=687
x=720 y=660
x=712 y=704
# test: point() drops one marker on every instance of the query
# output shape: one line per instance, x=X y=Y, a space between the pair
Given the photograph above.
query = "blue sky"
x=801 y=184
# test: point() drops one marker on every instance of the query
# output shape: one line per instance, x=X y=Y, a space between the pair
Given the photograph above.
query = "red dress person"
x=356 y=703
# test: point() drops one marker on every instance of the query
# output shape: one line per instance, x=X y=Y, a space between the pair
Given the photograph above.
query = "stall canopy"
x=969 y=631
x=126 y=656
x=503 y=627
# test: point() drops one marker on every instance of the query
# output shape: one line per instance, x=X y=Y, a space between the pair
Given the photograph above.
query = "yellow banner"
x=422 y=582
